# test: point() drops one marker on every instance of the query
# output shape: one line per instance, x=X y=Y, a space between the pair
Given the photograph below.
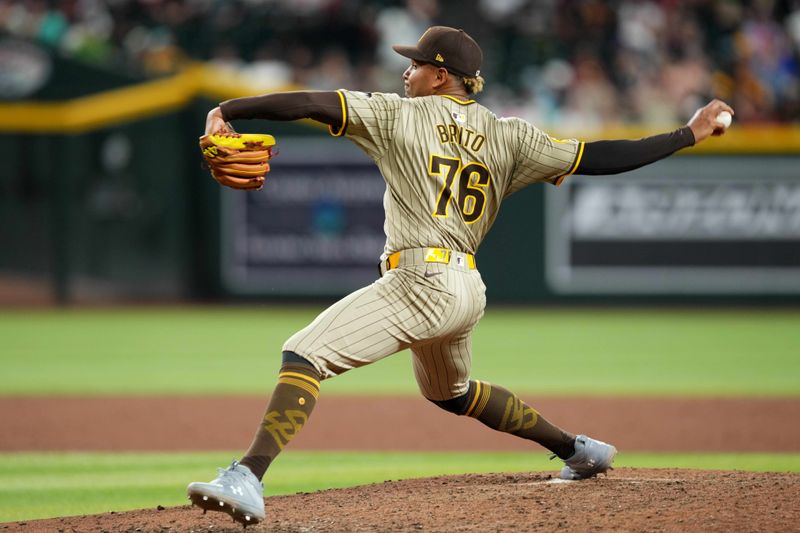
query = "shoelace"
x=243 y=477
x=229 y=471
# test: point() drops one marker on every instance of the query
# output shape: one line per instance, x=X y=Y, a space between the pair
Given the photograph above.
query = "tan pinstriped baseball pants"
x=430 y=308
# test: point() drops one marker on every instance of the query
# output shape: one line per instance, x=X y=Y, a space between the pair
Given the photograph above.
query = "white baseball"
x=725 y=119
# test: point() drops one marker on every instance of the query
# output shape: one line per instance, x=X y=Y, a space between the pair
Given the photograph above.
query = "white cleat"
x=237 y=487
x=591 y=457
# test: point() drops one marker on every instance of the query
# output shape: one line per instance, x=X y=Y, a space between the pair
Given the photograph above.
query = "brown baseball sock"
x=502 y=410
x=291 y=403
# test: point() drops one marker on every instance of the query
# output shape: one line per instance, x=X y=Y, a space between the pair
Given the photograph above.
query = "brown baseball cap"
x=446 y=47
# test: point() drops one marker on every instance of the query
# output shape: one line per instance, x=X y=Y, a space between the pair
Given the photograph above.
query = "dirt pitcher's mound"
x=626 y=500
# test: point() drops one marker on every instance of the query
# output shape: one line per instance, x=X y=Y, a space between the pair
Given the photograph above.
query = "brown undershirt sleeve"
x=613 y=157
x=322 y=106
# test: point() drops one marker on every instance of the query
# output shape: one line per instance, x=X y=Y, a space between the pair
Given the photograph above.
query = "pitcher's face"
x=419 y=79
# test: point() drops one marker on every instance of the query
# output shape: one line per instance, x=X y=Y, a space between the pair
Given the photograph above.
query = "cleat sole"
x=209 y=503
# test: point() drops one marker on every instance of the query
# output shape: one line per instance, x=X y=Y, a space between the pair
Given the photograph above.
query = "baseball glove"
x=238 y=160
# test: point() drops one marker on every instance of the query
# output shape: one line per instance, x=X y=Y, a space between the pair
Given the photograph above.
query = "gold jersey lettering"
x=455 y=134
x=467 y=135
x=444 y=136
x=464 y=137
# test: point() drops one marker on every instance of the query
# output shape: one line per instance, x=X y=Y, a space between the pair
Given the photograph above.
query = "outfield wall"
x=106 y=198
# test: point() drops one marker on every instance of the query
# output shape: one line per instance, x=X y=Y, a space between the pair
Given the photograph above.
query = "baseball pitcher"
x=448 y=163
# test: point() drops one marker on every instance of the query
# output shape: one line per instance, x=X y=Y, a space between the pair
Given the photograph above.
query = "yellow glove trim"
x=244 y=141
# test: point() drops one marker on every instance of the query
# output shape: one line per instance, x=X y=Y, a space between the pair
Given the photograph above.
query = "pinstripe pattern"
x=420 y=145
x=401 y=136
x=403 y=309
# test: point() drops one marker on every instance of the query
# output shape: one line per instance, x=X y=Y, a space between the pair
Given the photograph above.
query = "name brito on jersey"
x=460 y=135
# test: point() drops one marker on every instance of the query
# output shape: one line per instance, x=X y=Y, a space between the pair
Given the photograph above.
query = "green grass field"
x=543 y=351
x=198 y=351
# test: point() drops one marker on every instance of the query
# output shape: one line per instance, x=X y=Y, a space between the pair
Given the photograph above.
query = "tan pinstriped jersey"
x=448 y=164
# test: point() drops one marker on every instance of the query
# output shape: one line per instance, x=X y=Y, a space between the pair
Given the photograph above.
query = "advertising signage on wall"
x=316 y=228
x=692 y=225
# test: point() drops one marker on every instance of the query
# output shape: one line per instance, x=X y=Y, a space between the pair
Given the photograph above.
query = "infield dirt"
x=625 y=500
x=393 y=423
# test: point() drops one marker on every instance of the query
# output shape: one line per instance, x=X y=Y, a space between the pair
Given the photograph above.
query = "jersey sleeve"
x=540 y=157
x=369 y=120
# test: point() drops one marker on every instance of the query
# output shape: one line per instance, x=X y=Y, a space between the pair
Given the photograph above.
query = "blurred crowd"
x=576 y=63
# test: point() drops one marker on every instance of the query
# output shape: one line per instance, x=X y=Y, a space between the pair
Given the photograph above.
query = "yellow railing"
x=164 y=95
x=775 y=139
x=122 y=105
